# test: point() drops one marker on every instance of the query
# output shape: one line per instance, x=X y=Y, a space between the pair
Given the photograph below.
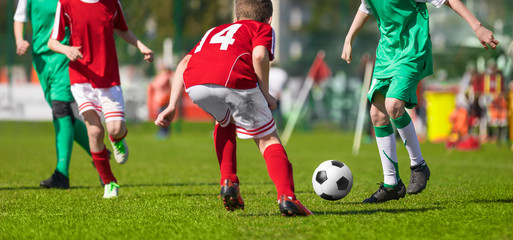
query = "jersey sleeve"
x=436 y=3
x=21 y=14
x=265 y=37
x=60 y=23
x=364 y=7
x=119 y=18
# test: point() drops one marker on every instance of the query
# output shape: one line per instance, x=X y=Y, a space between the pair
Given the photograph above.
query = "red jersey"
x=224 y=55
x=91 y=23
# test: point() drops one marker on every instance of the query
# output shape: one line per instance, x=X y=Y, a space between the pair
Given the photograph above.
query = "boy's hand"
x=165 y=117
x=347 y=52
x=271 y=102
x=22 y=47
x=73 y=53
x=485 y=36
x=148 y=53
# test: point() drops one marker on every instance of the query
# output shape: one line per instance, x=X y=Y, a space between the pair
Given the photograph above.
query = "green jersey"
x=42 y=16
x=405 y=45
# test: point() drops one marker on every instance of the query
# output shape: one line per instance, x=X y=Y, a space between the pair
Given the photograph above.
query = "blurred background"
x=304 y=27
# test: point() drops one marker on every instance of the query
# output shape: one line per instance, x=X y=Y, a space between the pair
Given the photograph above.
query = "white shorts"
x=106 y=100
x=247 y=107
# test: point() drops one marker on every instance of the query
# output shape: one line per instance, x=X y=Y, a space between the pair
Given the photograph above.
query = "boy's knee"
x=394 y=107
x=265 y=141
x=62 y=109
x=378 y=118
x=116 y=128
x=95 y=132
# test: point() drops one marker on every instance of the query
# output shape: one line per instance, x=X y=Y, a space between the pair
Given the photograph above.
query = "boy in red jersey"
x=227 y=75
x=94 y=74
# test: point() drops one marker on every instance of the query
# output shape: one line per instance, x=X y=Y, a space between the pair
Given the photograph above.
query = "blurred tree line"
x=324 y=26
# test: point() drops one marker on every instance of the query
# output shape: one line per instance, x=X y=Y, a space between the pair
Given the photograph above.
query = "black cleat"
x=386 y=194
x=418 y=178
x=230 y=194
x=292 y=208
x=57 y=180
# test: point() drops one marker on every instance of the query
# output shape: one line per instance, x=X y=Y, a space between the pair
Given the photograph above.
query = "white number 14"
x=224 y=37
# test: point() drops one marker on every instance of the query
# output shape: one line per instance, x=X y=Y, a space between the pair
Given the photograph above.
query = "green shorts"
x=52 y=71
x=402 y=88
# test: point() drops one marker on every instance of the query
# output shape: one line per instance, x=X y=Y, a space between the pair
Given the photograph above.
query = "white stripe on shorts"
x=247 y=107
x=106 y=100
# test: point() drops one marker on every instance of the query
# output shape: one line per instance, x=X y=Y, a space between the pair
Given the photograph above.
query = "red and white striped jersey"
x=92 y=24
x=224 y=55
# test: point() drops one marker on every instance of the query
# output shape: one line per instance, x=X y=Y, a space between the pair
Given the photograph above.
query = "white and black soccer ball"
x=332 y=180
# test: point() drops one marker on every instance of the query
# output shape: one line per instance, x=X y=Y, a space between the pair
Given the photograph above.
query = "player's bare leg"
x=280 y=171
x=117 y=133
x=99 y=152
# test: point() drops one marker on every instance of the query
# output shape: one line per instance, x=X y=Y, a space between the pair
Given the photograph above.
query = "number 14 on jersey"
x=224 y=37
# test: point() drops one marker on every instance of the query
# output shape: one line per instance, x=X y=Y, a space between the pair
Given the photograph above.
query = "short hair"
x=258 y=10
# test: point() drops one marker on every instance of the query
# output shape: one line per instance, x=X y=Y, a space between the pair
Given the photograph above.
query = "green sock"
x=63 y=143
x=81 y=136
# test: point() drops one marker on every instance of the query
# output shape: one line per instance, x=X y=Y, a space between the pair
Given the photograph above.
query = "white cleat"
x=111 y=190
x=120 y=151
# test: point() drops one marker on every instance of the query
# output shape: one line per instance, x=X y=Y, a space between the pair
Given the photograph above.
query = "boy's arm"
x=129 y=37
x=359 y=21
x=484 y=35
x=72 y=52
x=21 y=44
x=261 y=66
x=166 y=116
x=20 y=17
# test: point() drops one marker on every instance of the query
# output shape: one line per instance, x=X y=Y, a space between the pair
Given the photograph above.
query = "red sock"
x=101 y=162
x=112 y=139
x=280 y=170
x=226 y=146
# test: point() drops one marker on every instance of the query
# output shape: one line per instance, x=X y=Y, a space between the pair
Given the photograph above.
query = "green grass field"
x=169 y=191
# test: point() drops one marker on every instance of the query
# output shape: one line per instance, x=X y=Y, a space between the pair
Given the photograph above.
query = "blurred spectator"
x=159 y=92
x=490 y=91
x=510 y=95
x=465 y=114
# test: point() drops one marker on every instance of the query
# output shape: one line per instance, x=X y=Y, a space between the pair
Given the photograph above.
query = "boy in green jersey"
x=403 y=58
x=52 y=71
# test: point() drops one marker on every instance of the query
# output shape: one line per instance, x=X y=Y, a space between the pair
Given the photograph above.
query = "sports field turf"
x=169 y=191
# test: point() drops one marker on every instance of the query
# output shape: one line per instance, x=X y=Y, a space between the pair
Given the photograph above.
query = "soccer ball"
x=332 y=180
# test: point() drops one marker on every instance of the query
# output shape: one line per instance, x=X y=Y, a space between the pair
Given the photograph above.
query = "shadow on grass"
x=135 y=185
x=20 y=188
x=355 y=212
x=502 y=200
x=373 y=211
x=170 y=184
x=190 y=194
x=122 y=185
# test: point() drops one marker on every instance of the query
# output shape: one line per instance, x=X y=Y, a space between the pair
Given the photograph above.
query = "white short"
x=106 y=100
x=247 y=107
